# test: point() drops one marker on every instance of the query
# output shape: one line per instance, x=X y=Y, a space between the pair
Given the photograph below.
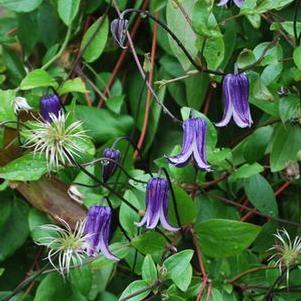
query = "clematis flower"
x=59 y=142
x=50 y=105
x=21 y=104
x=109 y=167
x=238 y=3
x=236 y=100
x=194 y=144
x=64 y=244
x=118 y=30
x=156 y=205
x=97 y=231
x=287 y=252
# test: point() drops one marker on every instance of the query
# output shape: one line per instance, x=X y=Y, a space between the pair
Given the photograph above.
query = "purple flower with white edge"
x=109 y=167
x=194 y=144
x=118 y=30
x=97 y=231
x=238 y=3
x=236 y=100
x=50 y=105
x=156 y=205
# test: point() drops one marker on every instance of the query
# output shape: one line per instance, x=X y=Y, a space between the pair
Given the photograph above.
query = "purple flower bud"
x=118 y=30
x=238 y=3
x=194 y=144
x=236 y=100
x=156 y=205
x=97 y=231
x=50 y=104
x=109 y=167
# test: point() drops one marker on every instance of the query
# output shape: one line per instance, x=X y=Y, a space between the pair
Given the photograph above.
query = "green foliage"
x=227 y=216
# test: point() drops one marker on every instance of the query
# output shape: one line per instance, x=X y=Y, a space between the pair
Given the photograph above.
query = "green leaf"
x=214 y=52
x=149 y=243
x=272 y=56
x=178 y=24
x=179 y=268
x=73 y=85
x=297 y=56
x=37 y=78
x=68 y=10
x=245 y=58
x=81 y=278
x=6 y=108
x=134 y=287
x=36 y=219
x=26 y=168
x=14 y=231
x=223 y=238
x=103 y=125
x=286 y=143
x=127 y=216
x=96 y=46
x=245 y=171
x=289 y=107
x=149 y=271
x=261 y=194
x=21 y=6
x=261 y=138
x=53 y=287
x=266 y=5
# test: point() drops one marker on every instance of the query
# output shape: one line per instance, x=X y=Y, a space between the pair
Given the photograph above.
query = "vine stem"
x=149 y=94
x=252 y=270
x=175 y=38
x=122 y=56
x=62 y=49
x=165 y=110
x=201 y=265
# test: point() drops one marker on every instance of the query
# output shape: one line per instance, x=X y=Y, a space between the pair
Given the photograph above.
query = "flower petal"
x=228 y=110
x=223 y=2
x=199 y=144
x=183 y=158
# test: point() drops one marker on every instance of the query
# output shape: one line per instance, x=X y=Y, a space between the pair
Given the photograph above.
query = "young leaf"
x=149 y=271
x=95 y=40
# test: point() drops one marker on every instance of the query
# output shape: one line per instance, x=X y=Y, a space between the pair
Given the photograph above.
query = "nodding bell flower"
x=57 y=140
x=64 y=244
x=118 y=30
x=194 y=144
x=236 y=100
x=50 y=105
x=238 y=3
x=97 y=231
x=156 y=205
x=109 y=167
x=21 y=104
x=287 y=252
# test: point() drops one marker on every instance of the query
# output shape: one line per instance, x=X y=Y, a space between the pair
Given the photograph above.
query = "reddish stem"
x=149 y=93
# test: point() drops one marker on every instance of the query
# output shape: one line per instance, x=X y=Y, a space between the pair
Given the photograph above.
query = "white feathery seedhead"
x=66 y=246
x=56 y=140
x=286 y=251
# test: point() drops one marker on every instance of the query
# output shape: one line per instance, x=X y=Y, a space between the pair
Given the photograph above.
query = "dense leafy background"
x=66 y=44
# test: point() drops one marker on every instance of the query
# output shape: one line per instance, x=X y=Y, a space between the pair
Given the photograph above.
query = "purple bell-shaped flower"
x=156 y=205
x=118 y=30
x=109 y=167
x=50 y=105
x=194 y=144
x=236 y=100
x=97 y=231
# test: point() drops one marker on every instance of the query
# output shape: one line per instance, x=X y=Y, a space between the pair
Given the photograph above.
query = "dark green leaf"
x=223 y=238
x=21 y=6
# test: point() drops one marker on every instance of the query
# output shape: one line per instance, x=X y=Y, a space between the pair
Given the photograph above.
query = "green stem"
x=62 y=49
